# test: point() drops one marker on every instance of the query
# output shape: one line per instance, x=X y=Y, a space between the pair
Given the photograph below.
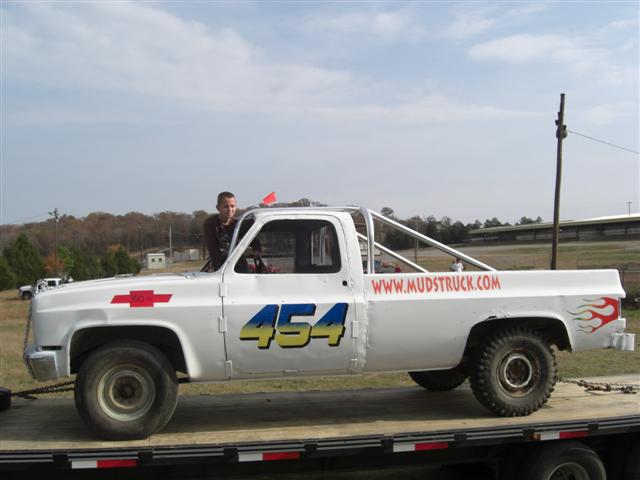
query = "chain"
x=632 y=388
x=27 y=330
x=29 y=394
x=57 y=388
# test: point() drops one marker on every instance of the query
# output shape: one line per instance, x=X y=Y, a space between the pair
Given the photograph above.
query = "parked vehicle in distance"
x=26 y=292
x=321 y=313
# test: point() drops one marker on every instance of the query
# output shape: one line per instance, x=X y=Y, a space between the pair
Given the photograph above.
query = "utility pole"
x=141 y=246
x=561 y=134
x=170 y=246
x=629 y=207
x=55 y=216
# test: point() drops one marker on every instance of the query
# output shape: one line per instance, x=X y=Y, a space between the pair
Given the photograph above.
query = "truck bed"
x=244 y=426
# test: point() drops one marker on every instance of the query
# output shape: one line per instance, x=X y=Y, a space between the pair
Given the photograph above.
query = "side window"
x=293 y=246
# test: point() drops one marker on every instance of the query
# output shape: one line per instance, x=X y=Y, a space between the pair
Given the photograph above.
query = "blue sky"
x=443 y=108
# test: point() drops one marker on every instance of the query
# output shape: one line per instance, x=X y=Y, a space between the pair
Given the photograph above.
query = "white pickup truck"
x=26 y=292
x=320 y=313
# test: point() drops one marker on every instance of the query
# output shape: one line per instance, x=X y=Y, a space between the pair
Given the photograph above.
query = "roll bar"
x=369 y=217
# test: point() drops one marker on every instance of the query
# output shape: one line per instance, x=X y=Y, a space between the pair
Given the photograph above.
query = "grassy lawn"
x=536 y=256
x=13 y=375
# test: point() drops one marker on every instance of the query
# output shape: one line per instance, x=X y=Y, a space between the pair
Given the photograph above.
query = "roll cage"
x=370 y=217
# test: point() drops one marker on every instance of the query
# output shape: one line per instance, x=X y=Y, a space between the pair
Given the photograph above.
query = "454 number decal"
x=273 y=318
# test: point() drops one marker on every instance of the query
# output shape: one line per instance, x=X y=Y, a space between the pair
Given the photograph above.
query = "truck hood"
x=140 y=291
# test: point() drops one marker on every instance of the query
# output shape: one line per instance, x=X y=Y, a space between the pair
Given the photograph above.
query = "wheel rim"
x=518 y=373
x=126 y=393
x=569 y=471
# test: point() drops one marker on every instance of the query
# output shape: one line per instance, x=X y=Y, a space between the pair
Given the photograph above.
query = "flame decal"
x=596 y=309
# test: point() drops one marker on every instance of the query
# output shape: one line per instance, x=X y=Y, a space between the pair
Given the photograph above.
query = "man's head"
x=226 y=206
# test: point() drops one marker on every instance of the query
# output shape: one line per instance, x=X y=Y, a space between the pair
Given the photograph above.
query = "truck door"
x=297 y=315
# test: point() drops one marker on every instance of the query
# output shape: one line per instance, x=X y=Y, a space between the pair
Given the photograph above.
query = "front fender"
x=119 y=331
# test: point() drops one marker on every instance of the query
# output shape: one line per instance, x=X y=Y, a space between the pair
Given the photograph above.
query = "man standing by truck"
x=218 y=231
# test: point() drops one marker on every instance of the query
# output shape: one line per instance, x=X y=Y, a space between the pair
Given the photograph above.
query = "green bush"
x=24 y=260
x=108 y=264
x=119 y=263
x=7 y=277
x=85 y=265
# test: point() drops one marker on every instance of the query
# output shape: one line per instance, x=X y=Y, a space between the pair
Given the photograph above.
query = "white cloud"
x=137 y=49
x=386 y=25
x=470 y=22
x=578 y=55
x=608 y=114
x=519 y=48
x=620 y=25
x=526 y=11
x=435 y=109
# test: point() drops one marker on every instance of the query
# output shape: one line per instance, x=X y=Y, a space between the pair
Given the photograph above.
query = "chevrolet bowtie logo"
x=142 y=298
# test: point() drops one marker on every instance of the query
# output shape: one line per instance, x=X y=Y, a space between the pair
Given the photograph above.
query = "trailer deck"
x=293 y=425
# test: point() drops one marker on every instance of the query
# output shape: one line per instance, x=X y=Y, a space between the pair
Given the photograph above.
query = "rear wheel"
x=26 y=295
x=439 y=380
x=632 y=465
x=514 y=373
x=562 y=461
x=126 y=390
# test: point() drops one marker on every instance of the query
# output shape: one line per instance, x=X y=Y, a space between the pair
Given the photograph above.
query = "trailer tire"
x=572 y=460
x=632 y=465
x=439 y=380
x=126 y=390
x=514 y=373
x=5 y=398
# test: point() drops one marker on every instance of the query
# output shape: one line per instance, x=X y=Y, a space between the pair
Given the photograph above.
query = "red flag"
x=269 y=198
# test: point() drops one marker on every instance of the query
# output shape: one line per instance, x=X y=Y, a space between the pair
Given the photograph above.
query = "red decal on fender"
x=142 y=298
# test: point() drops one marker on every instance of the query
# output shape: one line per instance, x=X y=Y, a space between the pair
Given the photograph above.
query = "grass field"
x=618 y=254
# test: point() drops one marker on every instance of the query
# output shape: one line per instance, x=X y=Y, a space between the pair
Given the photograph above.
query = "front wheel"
x=126 y=390
x=26 y=295
x=514 y=372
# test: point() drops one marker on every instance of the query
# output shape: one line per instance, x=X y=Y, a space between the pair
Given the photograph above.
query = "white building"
x=156 y=261
x=190 y=255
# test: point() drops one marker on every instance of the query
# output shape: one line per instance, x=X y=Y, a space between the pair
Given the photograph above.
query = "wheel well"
x=87 y=340
x=552 y=329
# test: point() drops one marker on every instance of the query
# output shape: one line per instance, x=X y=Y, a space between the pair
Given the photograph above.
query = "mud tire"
x=514 y=372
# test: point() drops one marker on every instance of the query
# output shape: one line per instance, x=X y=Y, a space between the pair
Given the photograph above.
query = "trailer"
x=576 y=435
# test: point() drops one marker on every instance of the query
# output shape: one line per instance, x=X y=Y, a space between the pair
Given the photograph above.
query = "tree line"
x=22 y=264
x=444 y=229
x=99 y=245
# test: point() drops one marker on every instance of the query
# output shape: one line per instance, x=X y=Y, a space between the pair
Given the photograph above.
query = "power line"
x=602 y=141
x=22 y=220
